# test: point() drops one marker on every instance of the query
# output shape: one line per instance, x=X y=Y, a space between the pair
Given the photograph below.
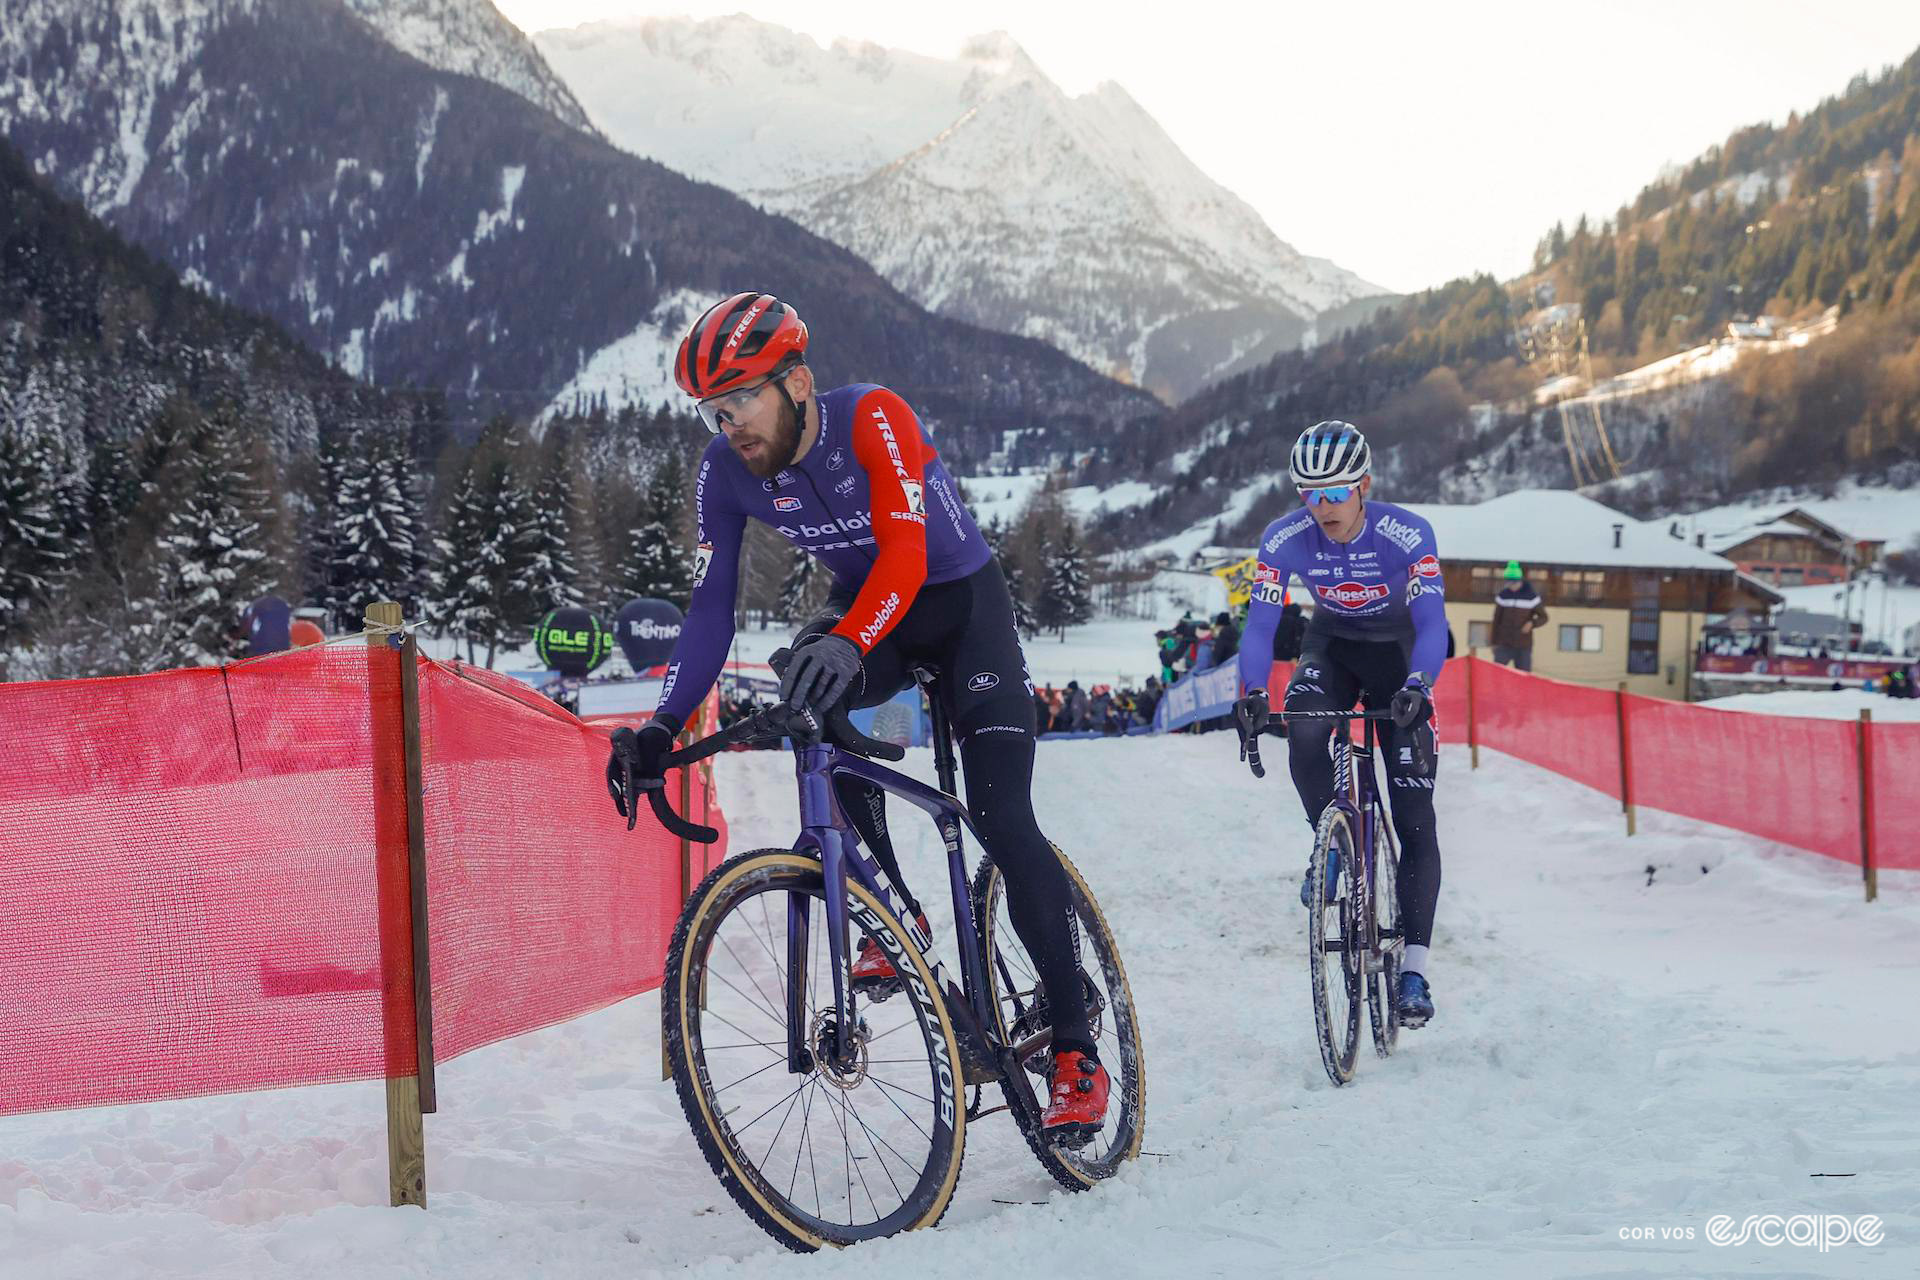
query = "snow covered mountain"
x=975 y=184
x=471 y=38
x=381 y=198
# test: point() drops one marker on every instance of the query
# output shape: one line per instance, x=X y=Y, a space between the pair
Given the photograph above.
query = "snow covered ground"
x=1632 y=1034
x=1821 y=704
x=1110 y=650
x=1002 y=498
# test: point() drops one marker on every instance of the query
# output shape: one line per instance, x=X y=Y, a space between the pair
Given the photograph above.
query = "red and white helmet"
x=750 y=335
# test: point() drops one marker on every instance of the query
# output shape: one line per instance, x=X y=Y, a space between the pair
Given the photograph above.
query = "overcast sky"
x=1409 y=142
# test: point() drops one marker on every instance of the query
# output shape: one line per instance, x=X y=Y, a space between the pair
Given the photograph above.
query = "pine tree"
x=30 y=544
x=1069 y=595
x=655 y=563
x=377 y=543
x=478 y=586
x=996 y=535
x=209 y=562
x=326 y=554
x=547 y=577
x=459 y=600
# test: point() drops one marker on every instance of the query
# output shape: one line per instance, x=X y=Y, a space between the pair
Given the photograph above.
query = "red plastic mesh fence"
x=542 y=906
x=199 y=866
x=1893 y=751
x=1571 y=729
x=1783 y=778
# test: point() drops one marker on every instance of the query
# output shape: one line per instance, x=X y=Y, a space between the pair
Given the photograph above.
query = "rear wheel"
x=820 y=1144
x=1334 y=951
x=1019 y=1004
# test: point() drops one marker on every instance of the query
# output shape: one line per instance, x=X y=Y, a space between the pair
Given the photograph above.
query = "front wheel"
x=1019 y=1010
x=1335 y=952
x=823 y=1139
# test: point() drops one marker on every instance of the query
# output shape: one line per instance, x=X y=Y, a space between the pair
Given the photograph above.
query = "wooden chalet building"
x=1626 y=600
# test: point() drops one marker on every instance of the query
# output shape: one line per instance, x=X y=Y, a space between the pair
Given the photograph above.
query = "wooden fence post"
x=401 y=886
x=691 y=732
x=1620 y=716
x=1473 y=733
x=1865 y=754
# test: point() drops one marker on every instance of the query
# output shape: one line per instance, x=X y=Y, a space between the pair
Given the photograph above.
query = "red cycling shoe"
x=1078 y=1104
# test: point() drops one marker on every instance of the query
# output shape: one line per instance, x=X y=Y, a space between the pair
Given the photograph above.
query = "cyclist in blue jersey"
x=1378 y=636
x=850 y=477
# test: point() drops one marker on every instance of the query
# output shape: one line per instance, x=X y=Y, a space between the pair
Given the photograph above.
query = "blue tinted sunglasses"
x=1332 y=493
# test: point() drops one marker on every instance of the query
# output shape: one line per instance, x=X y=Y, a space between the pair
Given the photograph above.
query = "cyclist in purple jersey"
x=850 y=477
x=1378 y=636
x=824 y=504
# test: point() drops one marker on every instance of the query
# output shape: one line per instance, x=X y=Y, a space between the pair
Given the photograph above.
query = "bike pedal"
x=1071 y=1136
x=877 y=990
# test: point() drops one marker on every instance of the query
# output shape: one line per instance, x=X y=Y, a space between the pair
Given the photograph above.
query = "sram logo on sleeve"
x=702 y=561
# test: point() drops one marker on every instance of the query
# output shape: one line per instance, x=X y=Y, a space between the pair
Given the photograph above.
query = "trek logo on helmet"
x=746 y=322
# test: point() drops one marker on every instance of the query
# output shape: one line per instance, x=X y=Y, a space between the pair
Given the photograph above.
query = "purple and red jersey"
x=871 y=500
x=1383 y=585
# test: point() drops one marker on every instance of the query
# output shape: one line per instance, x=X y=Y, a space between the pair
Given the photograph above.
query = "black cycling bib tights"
x=1333 y=673
x=966 y=630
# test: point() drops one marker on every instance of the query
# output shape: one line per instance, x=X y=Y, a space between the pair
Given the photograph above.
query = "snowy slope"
x=472 y=38
x=1608 y=1054
x=975 y=184
x=134 y=51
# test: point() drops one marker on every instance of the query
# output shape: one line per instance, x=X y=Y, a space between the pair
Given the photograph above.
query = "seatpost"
x=945 y=768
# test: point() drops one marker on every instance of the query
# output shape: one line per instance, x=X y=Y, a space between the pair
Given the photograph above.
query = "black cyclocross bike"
x=834 y=1115
x=1354 y=940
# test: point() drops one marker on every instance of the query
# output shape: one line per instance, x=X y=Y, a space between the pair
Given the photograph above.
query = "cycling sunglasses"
x=1332 y=493
x=732 y=406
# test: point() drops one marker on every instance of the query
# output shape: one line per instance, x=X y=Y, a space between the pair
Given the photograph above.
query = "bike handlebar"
x=1250 y=747
x=777 y=721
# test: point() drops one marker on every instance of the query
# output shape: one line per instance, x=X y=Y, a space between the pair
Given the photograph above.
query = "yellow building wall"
x=1607 y=668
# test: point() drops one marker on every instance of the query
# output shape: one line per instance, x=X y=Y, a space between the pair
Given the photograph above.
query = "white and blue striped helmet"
x=1330 y=453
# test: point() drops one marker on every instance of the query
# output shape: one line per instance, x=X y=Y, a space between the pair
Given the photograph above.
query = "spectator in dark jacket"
x=1076 y=710
x=1148 y=700
x=1226 y=639
x=1517 y=613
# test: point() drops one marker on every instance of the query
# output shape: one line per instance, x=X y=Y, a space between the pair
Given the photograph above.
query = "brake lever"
x=674 y=823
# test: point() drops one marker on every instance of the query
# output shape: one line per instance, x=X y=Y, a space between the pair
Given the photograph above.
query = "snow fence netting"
x=542 y=906
x=1786 y=778
x=1894 y=755
x=193 y=863
x=1571 y=729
